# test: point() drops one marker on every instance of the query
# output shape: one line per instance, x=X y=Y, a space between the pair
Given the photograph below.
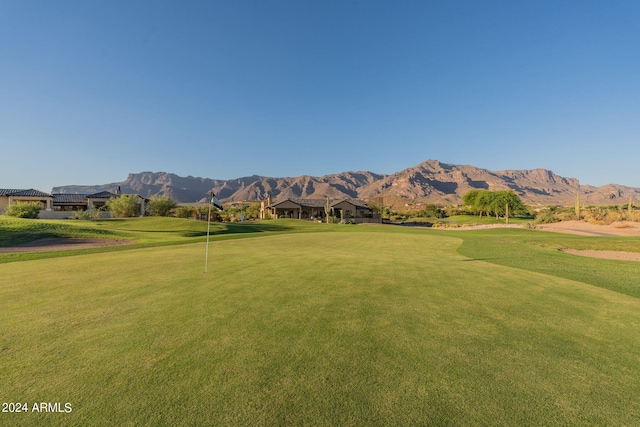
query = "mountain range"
x=430 y=182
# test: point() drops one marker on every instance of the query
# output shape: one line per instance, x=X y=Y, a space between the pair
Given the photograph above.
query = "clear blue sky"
x=93 y=90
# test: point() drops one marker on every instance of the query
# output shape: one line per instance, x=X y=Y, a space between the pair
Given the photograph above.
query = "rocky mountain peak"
x=430 y=181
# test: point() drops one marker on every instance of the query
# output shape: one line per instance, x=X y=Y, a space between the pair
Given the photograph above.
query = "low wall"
x=55 y=214
x=45 y=214
x=367 y=220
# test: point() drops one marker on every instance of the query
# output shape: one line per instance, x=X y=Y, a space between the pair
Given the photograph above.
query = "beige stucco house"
x=315 y=209
x=61 y=206
x=11 y=196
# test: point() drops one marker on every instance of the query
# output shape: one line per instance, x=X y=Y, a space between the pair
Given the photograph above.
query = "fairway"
x=366 y=326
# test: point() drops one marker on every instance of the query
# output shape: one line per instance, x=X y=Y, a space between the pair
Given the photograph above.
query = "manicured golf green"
x=365 y=325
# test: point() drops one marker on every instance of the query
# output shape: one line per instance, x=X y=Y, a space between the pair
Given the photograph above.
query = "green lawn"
x=476 y=219
x=540 y=252
x=365 y=325
x=143 y=232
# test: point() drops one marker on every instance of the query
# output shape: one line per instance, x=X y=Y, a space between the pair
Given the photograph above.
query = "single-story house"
x=311 y=209
x=351 y=208
x=11 y=196
x=60 y=205
x=81 y=202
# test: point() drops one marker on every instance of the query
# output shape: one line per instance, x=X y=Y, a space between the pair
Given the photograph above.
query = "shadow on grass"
x=242 y=228
x=15 y=236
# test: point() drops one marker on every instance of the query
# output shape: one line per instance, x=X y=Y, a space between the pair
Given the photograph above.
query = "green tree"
x=480 y=201
x=470 y=199
x=184 y=211
x=505 y=202
x=434 y=211
x=485 y=202
x=161 y=205
x=502 y=202
x=202 y=212
x=124 y=206
x=253 y=210
x=24 y=210
x=380 y=209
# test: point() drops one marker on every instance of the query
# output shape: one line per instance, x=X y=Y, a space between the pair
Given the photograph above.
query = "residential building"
x=61 y=206
x=316 y=209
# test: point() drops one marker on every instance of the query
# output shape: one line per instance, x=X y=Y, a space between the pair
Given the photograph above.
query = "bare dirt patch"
x=61 y=243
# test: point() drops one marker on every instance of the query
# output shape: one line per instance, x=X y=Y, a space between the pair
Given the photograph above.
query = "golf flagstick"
x=213 y=202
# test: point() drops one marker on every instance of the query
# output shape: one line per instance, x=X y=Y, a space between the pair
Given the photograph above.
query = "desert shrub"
x=616 y=215
x=431 y=211
x=124 y=206
x=24 y=210
x=202 y=213
x=606 y=214
x=81 y=215
x=566 y=215
x=184 y=211
x=161 y=205
x=87 y=214
x=634 y=215
x=445 y=224
x=597 y=215
x=546 y=216
x=252 y=211
x=452 y=210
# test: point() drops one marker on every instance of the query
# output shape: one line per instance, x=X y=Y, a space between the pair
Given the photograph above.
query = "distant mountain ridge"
x=430 y=182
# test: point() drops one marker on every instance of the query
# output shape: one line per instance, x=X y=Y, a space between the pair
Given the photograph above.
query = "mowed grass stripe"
x=539 y=252
x=366 y=328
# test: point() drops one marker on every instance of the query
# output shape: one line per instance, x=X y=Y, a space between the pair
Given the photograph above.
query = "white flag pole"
x=206 y=257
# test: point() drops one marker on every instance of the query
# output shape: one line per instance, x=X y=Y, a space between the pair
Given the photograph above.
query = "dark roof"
x=359 y=204
x=320 y=203
x=69 y=198
x=8 y=191
x=312 y=203
x=308 y=203
x=101 y=195
x=24 y=193
x=82 y=198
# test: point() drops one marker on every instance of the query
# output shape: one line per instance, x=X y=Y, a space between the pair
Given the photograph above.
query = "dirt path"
x=61 y=243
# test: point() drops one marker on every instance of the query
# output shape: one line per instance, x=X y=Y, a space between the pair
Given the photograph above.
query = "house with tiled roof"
x=315 y=209
x=11 y=196
x=81 y=202
x=351 y=209
x=61 y=205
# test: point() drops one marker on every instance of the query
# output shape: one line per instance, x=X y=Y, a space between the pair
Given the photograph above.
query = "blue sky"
x=93 y=90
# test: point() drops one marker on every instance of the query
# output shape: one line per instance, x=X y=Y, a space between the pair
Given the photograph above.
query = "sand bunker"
x=617 y=255
x=624 y=228
x=61 y=243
